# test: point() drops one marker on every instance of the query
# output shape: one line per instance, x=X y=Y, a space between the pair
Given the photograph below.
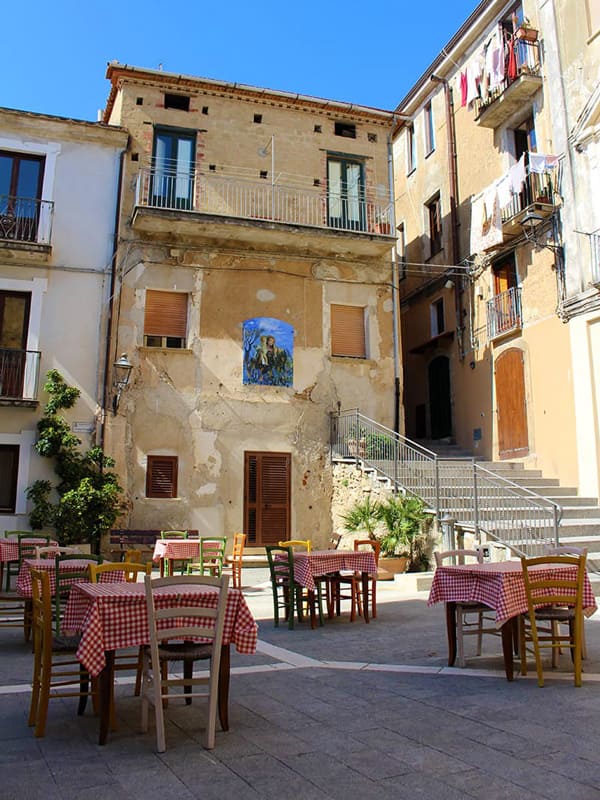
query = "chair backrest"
x=360 y=544
x=79 y=573
x=27 y=549
x=281 y=564
x=457 y=556
x=54 y=550
x=133 y=556
x=130 y=570
x=41 y=609
x=557 y=589
x=297 y=544
x=174 y=534
x=204 y=621
x=334 y=540
x=212 y=552
x=239 y=541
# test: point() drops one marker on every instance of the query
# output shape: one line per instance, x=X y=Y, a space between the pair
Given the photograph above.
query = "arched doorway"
x=440 y=408
x=511 y=407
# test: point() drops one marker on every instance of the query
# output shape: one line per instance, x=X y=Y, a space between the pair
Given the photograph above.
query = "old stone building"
x=484 y=215
x=253 y=296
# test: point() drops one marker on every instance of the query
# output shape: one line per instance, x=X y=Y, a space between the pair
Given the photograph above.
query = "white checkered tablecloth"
x=110 y=617
x=71 y=565
x=177 y=549
x=308 y=566
x=499 y=585
x=9 y=547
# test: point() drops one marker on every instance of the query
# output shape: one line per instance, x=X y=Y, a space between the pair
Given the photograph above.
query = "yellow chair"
x=297 y=544
x=55 y=667
x=233 y=563
x=133 y=556
x=555 y=599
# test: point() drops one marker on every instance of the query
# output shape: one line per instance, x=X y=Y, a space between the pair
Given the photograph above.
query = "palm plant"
x=363 y=517
x=403 y=518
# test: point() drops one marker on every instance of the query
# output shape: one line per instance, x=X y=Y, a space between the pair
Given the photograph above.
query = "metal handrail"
x=194 y=191
x=459 y=489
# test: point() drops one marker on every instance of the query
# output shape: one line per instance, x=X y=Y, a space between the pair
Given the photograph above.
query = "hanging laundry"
x=486 y=221
x=540 y=162
x=497 y=59
x=472 y=82
x=463 y=88
x=517 y=175
x=512 y=61
x=505 y=191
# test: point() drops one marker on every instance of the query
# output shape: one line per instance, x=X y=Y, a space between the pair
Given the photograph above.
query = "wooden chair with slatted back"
x=297 y=545
x=550 y=599
x=566 y=550
x=64 y=580
x=466 y=610
x=353 y=580
x=56 y=671
x=169 y=643
x=26 y=549
x=50 y=551
x=175 y=535
x=233 y=563
x=212 y=555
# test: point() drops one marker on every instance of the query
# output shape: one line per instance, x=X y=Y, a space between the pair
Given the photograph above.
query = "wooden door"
x=440 y=408
x=511 y=407
x=267 y=506
x=14 y=325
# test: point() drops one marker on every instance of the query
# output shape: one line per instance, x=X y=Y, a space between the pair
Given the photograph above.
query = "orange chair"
x=354 y=581
x=233 y=563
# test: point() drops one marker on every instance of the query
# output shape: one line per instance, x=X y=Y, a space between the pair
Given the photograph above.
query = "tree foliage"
x=88 y=493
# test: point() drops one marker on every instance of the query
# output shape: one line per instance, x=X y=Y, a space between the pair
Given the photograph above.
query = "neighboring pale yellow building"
x=482 y=210
x=253 y=295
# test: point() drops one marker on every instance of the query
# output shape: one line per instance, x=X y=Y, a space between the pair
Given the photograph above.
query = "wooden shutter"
x=348 y=331
x=267 y=497
x=166 y=314
x=161 y=476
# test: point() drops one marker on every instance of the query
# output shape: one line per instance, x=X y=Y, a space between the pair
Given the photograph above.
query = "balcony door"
x=14 y=324
x=173 y=169
x=267 y=479
x=20 y=192
x=346 y=194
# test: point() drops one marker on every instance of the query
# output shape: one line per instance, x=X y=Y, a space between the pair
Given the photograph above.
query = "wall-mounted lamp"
x=449 y=284
x=121 y=374
x=533 y=231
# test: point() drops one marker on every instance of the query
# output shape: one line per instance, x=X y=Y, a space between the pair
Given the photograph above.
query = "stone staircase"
x=580 y=524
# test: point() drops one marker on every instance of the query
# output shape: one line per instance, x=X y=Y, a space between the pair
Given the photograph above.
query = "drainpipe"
x=113 y=282
x=395 y=307
x=453 y=173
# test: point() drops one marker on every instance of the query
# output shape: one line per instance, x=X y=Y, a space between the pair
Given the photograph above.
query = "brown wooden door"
x=511 y=407
x=267 y=497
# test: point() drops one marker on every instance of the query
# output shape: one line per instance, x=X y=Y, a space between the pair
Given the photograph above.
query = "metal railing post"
x=475 y=502
x=438 y=499
x=448 y=536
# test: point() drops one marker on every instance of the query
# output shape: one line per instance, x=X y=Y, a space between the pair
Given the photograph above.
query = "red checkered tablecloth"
x=177 y=549
x=498 y=584
x=110 y=617
x=72 y=565
x=308 y=566
x=9 y=547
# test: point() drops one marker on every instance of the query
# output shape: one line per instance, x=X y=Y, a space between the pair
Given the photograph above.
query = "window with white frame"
x=411 y=154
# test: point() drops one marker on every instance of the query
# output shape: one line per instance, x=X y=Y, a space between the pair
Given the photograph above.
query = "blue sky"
x=355 y=51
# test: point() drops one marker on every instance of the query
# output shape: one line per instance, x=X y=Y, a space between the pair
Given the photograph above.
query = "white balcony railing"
x=595 y=256
x=260 y=200
x=25 y=219
x=504 y=313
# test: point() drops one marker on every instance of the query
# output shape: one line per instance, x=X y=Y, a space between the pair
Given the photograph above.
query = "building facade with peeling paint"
x=253 y=296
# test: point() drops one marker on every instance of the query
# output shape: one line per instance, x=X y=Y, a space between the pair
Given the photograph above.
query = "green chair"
x=26 y=550
x=212 y=555
x=174 y=535
x=287 y=594
x=65 y=580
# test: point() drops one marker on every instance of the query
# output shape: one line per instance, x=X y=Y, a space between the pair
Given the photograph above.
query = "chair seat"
x=473 y=605
x=65 y=644
x=560 y=614
x=184 y=651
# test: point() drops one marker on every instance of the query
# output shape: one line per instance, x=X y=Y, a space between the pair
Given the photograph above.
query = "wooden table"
x=114 y=616
x=500 y=586
x=308 y=566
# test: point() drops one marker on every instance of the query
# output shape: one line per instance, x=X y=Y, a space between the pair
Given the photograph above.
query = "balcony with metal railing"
x=521 y=82
x=349 y=210
x=595 y=256
x=19 y=377
x=25 y=221
x=539 y=194
x=504 y=313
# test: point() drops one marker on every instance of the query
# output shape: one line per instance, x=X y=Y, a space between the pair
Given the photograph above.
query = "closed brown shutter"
x=348 y=331
x=166 y=314
x=267 y=497
x=161 y=476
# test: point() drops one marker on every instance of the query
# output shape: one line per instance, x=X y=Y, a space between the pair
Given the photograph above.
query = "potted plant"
x=526 y=32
